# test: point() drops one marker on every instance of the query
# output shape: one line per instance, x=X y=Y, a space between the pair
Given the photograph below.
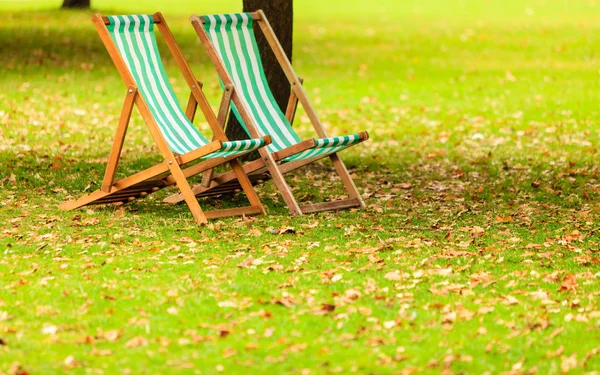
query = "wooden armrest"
x=290 y=111
x=255 y=16
x=294 y=149
x=225 y=104
x=267 y=139
x=155 y=17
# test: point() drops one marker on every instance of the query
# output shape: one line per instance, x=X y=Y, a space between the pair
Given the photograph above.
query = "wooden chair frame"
x=268 y=161
x=170 y=171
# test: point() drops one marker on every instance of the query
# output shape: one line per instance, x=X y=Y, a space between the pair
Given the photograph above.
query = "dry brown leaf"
x=569 y=283
x=393 y=275
x=136 y=341
x=112 y=335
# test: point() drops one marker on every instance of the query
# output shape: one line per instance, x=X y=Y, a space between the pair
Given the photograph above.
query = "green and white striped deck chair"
x=231 y=44
x=131 y=43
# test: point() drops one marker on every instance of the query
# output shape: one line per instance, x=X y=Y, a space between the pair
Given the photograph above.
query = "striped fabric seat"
x=136 y=42
x=235 y=43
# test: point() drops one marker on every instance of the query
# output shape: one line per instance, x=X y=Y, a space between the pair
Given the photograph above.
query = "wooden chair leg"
x=115 y=152
x=282 y=186
x=346 y=179
x=246 y=185
x=221 y=118
x=186 y=191
x=292 y=105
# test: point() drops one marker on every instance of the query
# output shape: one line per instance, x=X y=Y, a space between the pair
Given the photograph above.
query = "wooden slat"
x=115 y=152
x=292 y=105
x=139 y=177
x=107 y=21
x=342 y=172
x=120 y=196
x=221 y=117
x=249 y=210
x=119 y=189
x=149 y=183
x=222 y=178
x=327 y=206
x=127 y=193
x=287 y=68
x=294 y=149
x=113 y=200
x=205 y=165
x=190 y=110
x=230 y=190
x=255 y=16
x=189 y=77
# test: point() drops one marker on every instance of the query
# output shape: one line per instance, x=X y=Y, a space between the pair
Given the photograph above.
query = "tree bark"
x=76 y=4
x=280 y=15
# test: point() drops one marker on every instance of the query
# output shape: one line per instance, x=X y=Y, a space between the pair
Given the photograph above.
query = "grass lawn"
x=479 y=252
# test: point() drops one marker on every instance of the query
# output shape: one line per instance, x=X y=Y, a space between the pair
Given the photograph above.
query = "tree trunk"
x=76 y=4
x=280 y=16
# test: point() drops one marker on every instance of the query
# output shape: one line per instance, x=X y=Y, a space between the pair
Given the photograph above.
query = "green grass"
x=481 y=178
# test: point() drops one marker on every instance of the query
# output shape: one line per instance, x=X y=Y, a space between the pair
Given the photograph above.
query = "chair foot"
x=328 y=206
x=248 y=210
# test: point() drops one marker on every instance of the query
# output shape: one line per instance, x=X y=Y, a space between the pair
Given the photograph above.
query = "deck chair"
x=230 y=42
x=131 y=43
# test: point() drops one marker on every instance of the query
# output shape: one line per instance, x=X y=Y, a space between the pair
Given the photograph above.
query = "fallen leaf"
x=136 y=341
x=393 y=275
x=569 y=283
